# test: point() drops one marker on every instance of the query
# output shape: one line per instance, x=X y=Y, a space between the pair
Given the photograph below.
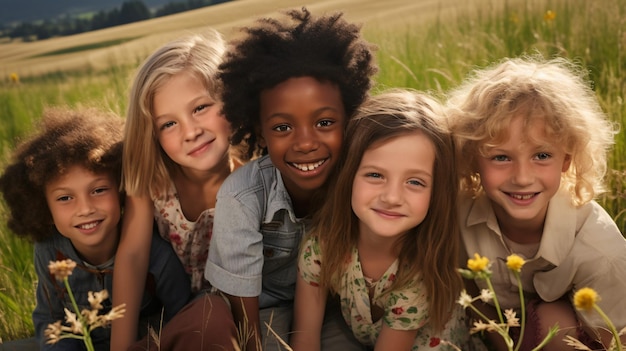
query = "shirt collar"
x=559 y=230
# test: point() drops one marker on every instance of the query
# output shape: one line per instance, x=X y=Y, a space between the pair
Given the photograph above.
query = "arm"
x=390 y=339
x=308 y=314
x=131 y=262
x=246 y=317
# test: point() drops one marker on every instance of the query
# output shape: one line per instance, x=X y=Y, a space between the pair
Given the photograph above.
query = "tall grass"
x=431 y=55
x=436 y=57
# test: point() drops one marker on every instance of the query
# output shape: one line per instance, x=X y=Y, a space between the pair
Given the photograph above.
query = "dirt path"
x=143 y=37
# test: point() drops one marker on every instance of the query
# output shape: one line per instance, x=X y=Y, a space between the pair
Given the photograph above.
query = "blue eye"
x=167 y=125
x=416 y=182
x=201 y=108
x=543 y=156
x=500 y=158
x=373 y=175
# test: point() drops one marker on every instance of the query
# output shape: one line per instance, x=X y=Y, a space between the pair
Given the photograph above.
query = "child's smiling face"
x=523 y=173
x=85 y=208
x=302 y=126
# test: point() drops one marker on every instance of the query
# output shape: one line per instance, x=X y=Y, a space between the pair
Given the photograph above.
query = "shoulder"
x=597 y=232
x=254 y=175
x=52 y=244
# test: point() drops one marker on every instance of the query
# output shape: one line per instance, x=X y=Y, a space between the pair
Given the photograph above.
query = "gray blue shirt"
x=256 y=236
x=167 y=286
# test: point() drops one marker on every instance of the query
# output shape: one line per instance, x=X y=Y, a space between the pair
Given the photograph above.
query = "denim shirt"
x=256 y=236
x=167 y=286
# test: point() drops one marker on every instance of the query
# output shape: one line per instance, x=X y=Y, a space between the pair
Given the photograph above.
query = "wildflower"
x=585 y=299
x=74 y=322
x=478 y=263
x=511 y=318
x=61 y=269
x=115 y=313
x=549 y=16
x=465 y=299
x=96 y=298
x=515 y=263
x=480 y=326
x=79 y=325
x=53 y=332
x=14 y=78
x=486 y=295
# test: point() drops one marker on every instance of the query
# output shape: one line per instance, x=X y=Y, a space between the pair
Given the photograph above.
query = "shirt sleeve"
x=235 y=262
x=406 y=309
x=309 y=263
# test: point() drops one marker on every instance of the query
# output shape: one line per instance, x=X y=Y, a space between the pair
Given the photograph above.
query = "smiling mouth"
x=523 y=197
x=306 y=167
x=199 y=148
x=88 y=226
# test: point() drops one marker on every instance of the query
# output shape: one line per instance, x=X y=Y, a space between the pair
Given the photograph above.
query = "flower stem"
x=86 y=335
x=523 y=310
x=495 y=300
x=608 y=322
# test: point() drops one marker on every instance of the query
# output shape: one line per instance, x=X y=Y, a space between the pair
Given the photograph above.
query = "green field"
x=429 y=49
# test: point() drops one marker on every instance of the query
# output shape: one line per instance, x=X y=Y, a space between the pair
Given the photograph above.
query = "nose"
x=85 y=206
x=391 y=193
x=523 y=173
x=191 y=130
x=306 y=140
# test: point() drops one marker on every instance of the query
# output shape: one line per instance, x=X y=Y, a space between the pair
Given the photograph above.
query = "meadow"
x=431 y=53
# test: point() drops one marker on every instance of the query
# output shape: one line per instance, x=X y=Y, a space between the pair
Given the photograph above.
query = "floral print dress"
x=189 y=239
x=403 y=310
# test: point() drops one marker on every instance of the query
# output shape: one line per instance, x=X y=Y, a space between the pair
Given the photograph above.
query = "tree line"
x=130 y=11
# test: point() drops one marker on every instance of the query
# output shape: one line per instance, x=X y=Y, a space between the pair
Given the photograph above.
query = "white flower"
x=486 y=295
x=511 y=319
x=465 y=299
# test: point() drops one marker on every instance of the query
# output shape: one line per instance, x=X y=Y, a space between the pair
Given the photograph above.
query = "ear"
x=566 y=163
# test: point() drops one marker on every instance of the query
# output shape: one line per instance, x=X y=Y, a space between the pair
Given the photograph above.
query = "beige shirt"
x=580 y=247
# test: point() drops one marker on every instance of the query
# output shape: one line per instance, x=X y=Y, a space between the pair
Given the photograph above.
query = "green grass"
x=433 y=56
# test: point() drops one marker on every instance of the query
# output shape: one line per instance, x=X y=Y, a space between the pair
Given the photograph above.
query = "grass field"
x=427 y=45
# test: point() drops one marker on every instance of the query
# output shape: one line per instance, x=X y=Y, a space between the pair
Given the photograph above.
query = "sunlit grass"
x=432 y=56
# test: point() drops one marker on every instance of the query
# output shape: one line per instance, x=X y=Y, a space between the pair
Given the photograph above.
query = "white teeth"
x=88 y=225
x=308 y=166
x=522 y=197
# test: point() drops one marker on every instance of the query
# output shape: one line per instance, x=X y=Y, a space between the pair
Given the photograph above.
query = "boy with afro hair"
x=290 y=87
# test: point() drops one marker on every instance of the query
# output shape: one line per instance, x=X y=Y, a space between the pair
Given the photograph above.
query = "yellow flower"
x=478 y=263
x=585 y=299
x=61 y=269
x=549 y=16
x=515 y=263
x=14 y=78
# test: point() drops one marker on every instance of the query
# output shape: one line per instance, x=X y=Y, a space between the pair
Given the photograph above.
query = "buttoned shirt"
x=256 y=236
x=580 y=247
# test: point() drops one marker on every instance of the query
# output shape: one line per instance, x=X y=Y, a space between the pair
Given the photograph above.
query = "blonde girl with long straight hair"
x=176 y=156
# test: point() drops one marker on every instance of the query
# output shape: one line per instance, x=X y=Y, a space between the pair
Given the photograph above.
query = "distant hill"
x=32 y=10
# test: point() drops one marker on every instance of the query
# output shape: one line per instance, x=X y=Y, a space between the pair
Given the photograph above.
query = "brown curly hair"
x=327 y=48
x=63 y=138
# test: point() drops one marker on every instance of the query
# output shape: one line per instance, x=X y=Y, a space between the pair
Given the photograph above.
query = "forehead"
x=300 y=95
